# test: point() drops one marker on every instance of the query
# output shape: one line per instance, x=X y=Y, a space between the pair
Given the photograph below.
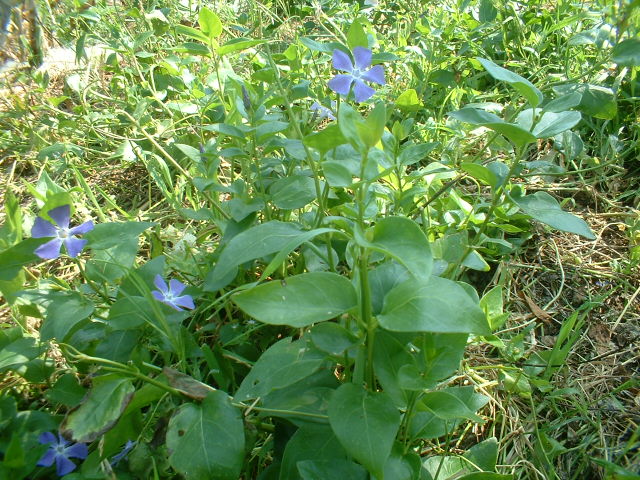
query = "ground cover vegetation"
x=318 y=240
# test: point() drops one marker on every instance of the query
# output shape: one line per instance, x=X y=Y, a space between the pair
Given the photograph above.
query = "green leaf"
x=128 y=313
x=256 y=242
x=564 y=102
x=300 y=300
x=292 y=192
x=522 y=85
x=436 y=305
x=403 y=240
x=315 y=443
x=408 y=101
x=546 y=209
x=487 y=12
x=14 y=258
x=448 y=407
x=108 y=235
x=324 y=469
x=627 y=53
x=209 y=23
x=326 y=139
x=238 y=44
x=64 y=315
x=552 y=123
x=356 y=36
x=474 y=116
x=389 y=356
x=411 y=154
x=371 y=130
x=480 y=173
x=351 y=124
x=304 y=402
x=18 y=352
x=66 y=391
x=596 y=101
x=192 y=33
x=484 y=454
x=207 y=440
x=332 y=338
x=282 y=364
x=401 y=465
x=100 y=411
x=366 y=425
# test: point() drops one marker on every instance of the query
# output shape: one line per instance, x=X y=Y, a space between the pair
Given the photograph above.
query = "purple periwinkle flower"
x=357 y=74
x=60 y=232
x=171 y=295
x=60 y=451
x=123 y=453
x=322 y=112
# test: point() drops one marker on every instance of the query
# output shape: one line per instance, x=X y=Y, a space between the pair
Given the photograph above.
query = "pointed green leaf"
x=522 y=85
x=403 y=240
x=282 y=364
x=546 y=209
x=356 y=36
x=436 y=305
x=552 y=123
x=366 y=425
x=209 y=22
x=207 y=440
x=100 y=411
x=627 y=52
x=300 y=300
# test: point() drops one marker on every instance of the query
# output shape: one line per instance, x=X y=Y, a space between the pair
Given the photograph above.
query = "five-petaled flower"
x=322 y=112
x=357 y=75
x=171 y=294
x=60 y=232
x=60 y=451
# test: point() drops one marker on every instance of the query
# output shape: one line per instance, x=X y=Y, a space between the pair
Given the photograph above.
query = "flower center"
x=357 y=73
x=63 y=233
x=60 y=449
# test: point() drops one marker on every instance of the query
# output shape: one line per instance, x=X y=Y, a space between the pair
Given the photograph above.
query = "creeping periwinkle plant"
x=329 y=315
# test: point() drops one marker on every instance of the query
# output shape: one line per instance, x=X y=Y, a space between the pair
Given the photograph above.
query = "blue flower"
x=60 y=232
x=357 y=75
x=123 y=453
x=171 y=295
x=322 y=111
x=60 y=451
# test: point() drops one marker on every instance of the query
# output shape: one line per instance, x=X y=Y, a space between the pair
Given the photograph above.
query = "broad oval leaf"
x=552 y=123
x=210 y=23
x=207 y=440
x=282 y=364
x=366 y=425
x=627 y=52
x=101 y=410
x=405 y=242
x=514 y=133
x=546 y=209
x=522 y=85
x=435 y=305
x=300 y=300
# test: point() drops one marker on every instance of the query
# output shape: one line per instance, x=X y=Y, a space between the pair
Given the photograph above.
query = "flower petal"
x=341 y=84
x=158 y=295
x=185 y=301
x=80 y=229
x=362 y=92
x=74 y=245
x=375 y=74
x=47 y=459
x=176 y=286
x=341 y=61
x=61 y=215
x=42 y=228
x=47 y=437
x=160 y=283
x=64 y=465
x=363 y=57
x=172 y=304
x=79 y=450
x=50 y=249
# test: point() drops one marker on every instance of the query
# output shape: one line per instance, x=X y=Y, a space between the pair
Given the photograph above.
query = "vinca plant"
x=309 y=318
